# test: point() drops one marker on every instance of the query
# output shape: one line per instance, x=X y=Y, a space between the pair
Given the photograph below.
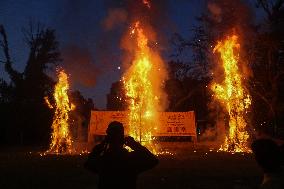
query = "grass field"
x=187 y=169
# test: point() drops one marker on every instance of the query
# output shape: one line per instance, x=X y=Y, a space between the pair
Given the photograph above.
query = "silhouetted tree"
x=262 y=50
x=116 y=99
x=219 y=19
x=186 y=92
x=80 y=116
x=25 y=93
x=15 y=76
x=268 y=69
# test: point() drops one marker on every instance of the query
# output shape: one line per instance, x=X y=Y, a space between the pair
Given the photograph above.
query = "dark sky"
x=78 y=25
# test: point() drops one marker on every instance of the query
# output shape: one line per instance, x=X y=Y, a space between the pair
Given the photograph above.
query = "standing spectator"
x=116 y=167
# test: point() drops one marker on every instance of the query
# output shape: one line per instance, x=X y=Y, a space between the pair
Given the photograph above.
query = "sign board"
x=177 y=124
x=100 y=119
x=171 y=123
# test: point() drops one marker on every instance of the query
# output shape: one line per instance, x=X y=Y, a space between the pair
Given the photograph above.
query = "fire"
x=233 y=96
x=142 y=82
x=61 y=141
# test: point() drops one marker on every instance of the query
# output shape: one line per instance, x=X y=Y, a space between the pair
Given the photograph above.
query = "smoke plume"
x=79 y=64
x=115 y=17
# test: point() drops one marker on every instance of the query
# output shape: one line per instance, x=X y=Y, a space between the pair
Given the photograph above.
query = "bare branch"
x=271 y=8
x=265 y=6
x=264 y=100
x=14 y=75
x=4 y=44
x=278 y=5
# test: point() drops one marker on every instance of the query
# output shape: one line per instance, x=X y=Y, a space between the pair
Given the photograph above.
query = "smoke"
x=227 y=15
x=115 y=17
x=153 y=18
x=78 y=62
x=215 y=130
x=95 y=28
x=152 y=15
x=224 y=19
x=122 y=13
x=215 y=10
x=93 y=51
x=99 y=33
x=208 y=135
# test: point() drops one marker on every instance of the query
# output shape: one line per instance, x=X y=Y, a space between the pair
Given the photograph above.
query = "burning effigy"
x=143 y=80
x=61 y=140
x=143 y=87
x=233 y=95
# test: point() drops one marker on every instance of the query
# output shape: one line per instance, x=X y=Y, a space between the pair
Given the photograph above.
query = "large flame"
x=61 y=141
x=233 y=96
x=143 y=83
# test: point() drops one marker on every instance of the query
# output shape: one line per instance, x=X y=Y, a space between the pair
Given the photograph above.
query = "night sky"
x=78 y=26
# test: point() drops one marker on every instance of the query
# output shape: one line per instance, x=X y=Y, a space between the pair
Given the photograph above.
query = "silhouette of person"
x=116 y=166
x=267 y=155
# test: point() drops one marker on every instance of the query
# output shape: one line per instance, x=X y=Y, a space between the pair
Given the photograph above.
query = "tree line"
x=25 y=117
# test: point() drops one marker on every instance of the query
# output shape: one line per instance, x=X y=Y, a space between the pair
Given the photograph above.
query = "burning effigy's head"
x=115 y=134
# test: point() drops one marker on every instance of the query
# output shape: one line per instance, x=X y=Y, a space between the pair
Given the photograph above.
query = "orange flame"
x=143 y=86
x=61 y=141
x=233 y=96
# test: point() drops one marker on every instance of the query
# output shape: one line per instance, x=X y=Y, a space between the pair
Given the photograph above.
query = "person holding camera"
x=115 y=165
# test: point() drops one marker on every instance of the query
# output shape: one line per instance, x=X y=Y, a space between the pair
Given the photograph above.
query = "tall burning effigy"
x=61 y=141
x=143 y=82
x=233 y=95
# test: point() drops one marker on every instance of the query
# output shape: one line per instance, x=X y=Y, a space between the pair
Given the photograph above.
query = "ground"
x=188 y=168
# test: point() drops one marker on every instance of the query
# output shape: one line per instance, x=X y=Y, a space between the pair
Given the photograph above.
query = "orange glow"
x=143 y=82
x=147 y=3
x=61 y=141
x=233 y=96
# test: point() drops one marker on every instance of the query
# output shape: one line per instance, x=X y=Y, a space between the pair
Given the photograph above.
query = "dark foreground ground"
x=185 y=170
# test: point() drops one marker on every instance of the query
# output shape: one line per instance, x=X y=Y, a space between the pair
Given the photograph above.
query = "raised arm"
x=143 y=158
